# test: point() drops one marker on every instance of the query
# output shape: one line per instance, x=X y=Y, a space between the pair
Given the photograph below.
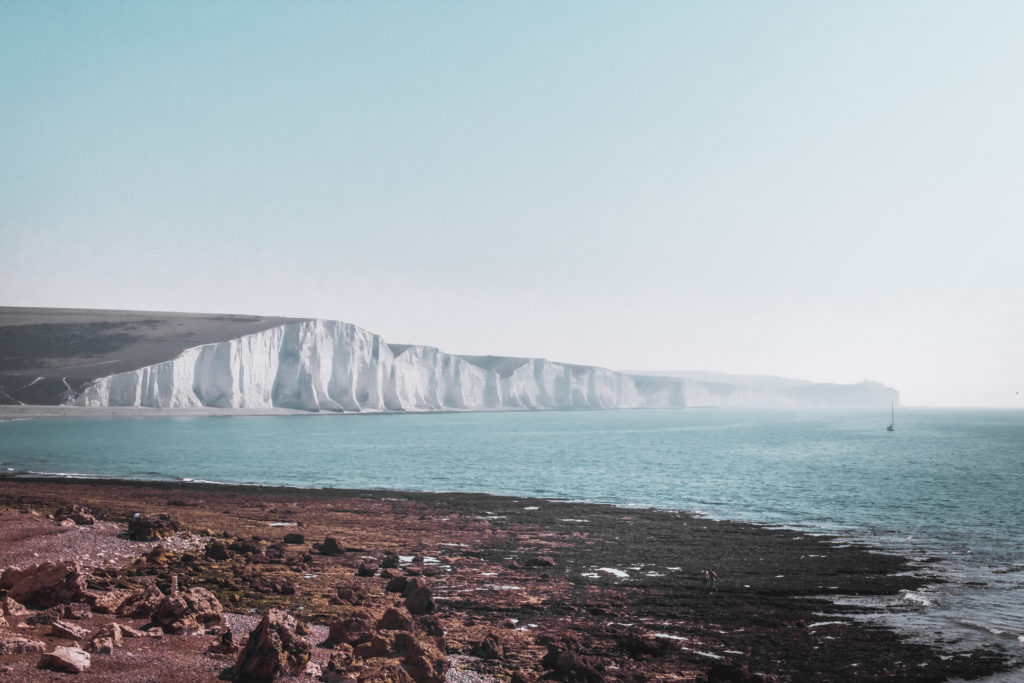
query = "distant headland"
x=104 y=358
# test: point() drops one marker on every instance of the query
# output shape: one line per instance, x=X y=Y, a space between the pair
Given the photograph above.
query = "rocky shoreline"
x=167 y=581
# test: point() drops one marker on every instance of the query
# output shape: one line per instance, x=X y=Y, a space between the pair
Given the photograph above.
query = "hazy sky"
x=825 y=190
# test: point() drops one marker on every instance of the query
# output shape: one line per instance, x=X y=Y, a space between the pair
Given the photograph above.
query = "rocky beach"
x=165 y=581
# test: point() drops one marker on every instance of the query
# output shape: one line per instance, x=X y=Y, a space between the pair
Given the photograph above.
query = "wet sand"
x=620 y=588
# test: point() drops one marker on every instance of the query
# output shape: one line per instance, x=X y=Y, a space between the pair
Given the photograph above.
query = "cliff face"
x=319 y=365
x=334 y=366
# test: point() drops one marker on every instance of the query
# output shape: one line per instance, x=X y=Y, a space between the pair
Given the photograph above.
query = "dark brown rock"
x=367 y=569
x=339 y=664
x=380 y=644
x=217 y=551
x=348 y=593
x=418 y=597
x=488 y=648
x=144 y=527
x=396 y=619
x=424 y=662
x=396 y=584
x=356 y=628
x=246 y=547
x=390 y=561
x=540 y=561
x=329 y=547
x=273 y=649
x=294 y=539
x=79 y=514
x=46 y=584
x=225 y=645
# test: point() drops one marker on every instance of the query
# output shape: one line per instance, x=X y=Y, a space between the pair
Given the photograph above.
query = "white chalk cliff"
x=321 y=365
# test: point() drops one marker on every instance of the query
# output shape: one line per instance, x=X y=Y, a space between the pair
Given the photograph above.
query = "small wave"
x=919 y=598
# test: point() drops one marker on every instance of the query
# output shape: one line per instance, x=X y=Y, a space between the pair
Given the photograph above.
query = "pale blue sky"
x=822 y=190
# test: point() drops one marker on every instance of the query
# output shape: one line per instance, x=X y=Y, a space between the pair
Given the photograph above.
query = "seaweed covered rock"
x=489 y=647
x=216 y=550
x=418 y=597
x=329 y=547
x=356 y=628
x=564 y=656
x=424 y=662
x=143 y=527
x=274 y=649
x=396 y=619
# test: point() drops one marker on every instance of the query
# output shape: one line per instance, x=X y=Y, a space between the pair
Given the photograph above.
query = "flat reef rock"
x=465 y=588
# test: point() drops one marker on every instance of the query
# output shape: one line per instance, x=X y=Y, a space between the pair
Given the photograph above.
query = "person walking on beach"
x=710 y=579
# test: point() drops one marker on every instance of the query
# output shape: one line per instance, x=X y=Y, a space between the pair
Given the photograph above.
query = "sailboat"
x=892 y=422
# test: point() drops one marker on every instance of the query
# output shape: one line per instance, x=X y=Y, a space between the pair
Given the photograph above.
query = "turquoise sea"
x=946 y=485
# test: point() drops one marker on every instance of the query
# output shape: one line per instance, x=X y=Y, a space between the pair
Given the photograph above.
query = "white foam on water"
x=918 y=597
x=614 y=572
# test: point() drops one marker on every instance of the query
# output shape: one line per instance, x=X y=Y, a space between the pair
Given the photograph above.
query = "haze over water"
x=945 y=485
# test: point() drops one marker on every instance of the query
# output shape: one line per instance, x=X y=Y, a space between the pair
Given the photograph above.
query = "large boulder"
x=143 y=527
x=69 y=659
x=141 y=603
x=44 y=585
x=188 y=612
x=274 y=649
